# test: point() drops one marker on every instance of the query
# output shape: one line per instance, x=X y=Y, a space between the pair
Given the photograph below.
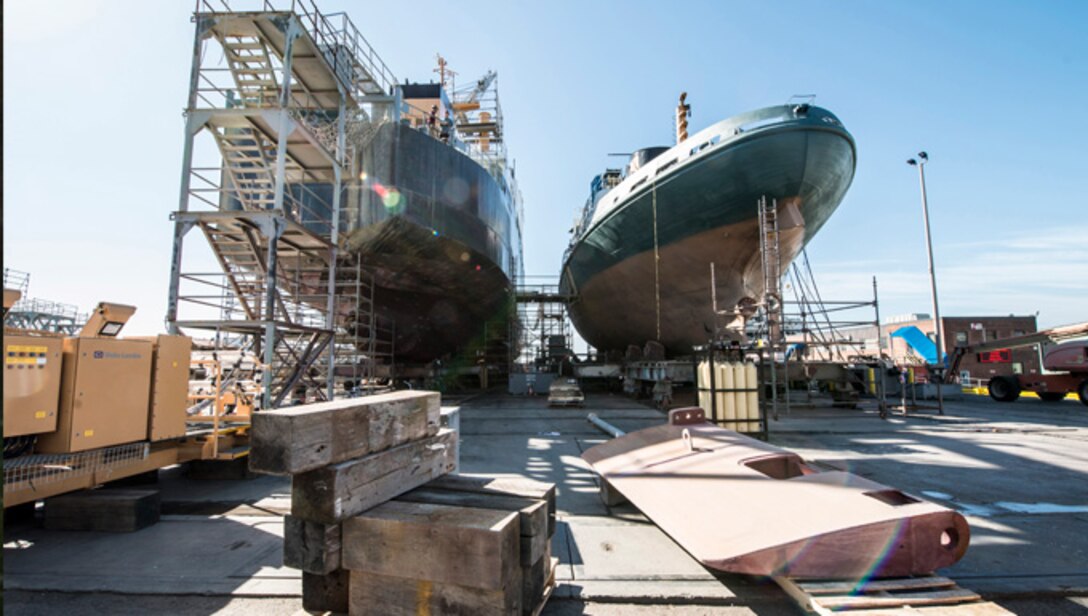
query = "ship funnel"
x=683 y=112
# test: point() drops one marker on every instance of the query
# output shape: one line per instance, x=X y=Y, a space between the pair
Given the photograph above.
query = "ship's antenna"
x=683 y=112
x=444 y=72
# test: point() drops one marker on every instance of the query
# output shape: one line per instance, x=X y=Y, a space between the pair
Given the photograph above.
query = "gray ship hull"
x=443 y=250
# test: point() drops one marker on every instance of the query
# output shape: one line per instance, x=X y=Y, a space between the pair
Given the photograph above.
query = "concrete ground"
x=1018 y=471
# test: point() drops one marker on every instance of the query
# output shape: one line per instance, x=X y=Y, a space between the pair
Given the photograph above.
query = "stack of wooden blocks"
x=456 y=545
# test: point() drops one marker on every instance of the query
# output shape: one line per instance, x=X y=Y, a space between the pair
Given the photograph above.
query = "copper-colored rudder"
x=743 y=506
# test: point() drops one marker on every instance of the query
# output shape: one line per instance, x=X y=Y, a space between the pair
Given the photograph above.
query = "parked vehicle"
x=1068 y=364
x=565 y=392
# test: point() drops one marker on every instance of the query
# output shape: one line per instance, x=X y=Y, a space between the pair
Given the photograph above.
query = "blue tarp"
x=919 y=342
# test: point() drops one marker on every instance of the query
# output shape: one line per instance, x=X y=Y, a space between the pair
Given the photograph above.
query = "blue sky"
x=996 y=92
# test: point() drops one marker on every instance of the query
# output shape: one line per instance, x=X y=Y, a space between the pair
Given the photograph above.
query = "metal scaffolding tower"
x=545 y=334
x=274 y=93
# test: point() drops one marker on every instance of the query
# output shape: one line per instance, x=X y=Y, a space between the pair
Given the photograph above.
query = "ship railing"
x=494 y=156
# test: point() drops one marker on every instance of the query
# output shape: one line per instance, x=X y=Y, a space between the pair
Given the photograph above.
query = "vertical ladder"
x=772 y=292
x=772 y=266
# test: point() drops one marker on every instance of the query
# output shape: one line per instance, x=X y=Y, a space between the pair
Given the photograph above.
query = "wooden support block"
x=549 y=588
x=402 y=422
x=372 y=593
x=533 y=514
x=930 y=594
x=450 y=545
x=336 y=492
x=508 y=486
x=110 y=510
x=325 y=593
x=302 y=438
x=311 y=546
x=534 y=582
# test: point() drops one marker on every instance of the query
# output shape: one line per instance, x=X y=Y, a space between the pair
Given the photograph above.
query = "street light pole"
x=937 y=325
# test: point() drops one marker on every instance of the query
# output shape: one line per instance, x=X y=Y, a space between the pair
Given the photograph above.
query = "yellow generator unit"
x=105 y=386
x=32 y=371
x=169 y=385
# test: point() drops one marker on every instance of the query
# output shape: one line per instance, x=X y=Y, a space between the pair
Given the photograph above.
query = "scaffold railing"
x=352 y=58
x=18 y=280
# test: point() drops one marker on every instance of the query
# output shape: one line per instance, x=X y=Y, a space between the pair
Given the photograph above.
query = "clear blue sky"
x=996 y=92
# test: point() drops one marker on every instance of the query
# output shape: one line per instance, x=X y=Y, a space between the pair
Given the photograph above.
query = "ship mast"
x=683 y=112
x=443 y=73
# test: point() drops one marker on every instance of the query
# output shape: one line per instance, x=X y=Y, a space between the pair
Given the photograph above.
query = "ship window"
x=638 y=183
x=666 y=166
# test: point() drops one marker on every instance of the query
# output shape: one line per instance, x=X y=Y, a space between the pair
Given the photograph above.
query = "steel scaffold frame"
x=288 y=87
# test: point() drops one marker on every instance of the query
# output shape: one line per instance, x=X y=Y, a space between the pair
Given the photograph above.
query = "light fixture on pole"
x=923 y=158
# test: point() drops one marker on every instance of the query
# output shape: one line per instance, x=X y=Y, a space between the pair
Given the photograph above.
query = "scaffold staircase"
x=278 y=104
x=252 y=69
x=248 y=158
x=243 y=268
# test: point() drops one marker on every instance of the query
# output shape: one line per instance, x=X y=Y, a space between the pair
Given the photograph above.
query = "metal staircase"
x=243 y=268
x=251 y=67
x=278 y=104
x=248 y=159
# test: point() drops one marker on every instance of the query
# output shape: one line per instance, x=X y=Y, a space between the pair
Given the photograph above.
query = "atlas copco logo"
x=111 y=355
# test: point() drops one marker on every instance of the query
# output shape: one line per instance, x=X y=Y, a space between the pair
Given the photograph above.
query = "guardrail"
x=331 y=32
